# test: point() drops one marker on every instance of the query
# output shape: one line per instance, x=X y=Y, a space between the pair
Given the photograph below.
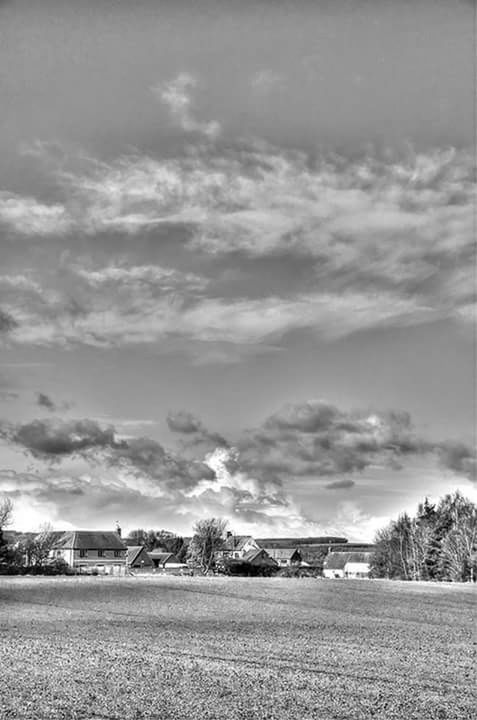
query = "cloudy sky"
x=237 y=268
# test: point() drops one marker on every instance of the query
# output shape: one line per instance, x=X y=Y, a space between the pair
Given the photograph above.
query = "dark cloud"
x=318 y=439
x=340 y=485
x=52 y=439
x=183 y=422
x=197 y=436
x=460 y=458
x=45 y=401
x=7 y=322
x=148 y=457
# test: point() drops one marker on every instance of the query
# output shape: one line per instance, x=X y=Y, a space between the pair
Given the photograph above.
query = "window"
x=117 y=553
x=83 y=553
x=100 y=553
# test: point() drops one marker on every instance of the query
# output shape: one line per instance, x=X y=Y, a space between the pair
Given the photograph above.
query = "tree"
x=459 y=546
x=37 y=548
x=439 y=543
x=6 y=513
x=137 y=537
x=208 y=538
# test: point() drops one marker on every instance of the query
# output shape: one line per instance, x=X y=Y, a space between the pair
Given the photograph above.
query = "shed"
x=138 y=558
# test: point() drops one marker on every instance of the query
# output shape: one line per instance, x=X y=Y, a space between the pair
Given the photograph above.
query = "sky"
x=237 y=262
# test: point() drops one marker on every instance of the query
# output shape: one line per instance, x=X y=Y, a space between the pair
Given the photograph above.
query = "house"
x=237 y=546
x=138 y=558
x=338 y=564
x=285 y=557
x=254 y=562
x=92 y=550
x=357 y=570
x=166 y=561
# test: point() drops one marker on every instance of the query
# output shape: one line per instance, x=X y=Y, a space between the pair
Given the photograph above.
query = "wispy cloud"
x=177 y=95
x=388 y=241
x=266 y=81
x=28 y=216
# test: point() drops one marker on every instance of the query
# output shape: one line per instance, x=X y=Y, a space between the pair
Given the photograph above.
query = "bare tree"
x=40 y=546
x=6 y=512
x=207 y=539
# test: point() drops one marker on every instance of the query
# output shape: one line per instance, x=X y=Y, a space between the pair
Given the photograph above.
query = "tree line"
x=438 y=543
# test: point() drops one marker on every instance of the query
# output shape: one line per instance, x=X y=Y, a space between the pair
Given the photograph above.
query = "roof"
x=236 y=542
x=357 y=567
x=282 y=553
x=259 y=554
x=163 y=557
x=337 y=560
x=134 y=552
x=90 y=540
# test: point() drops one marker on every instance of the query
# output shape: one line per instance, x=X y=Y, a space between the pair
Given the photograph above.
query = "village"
x=95 y=552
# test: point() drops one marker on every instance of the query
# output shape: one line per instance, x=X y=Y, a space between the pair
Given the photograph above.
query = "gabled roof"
x=134 y=552
x=258 y=554
x=337 y=560
x=236 y=542
x=282 y=553
x=89 y=540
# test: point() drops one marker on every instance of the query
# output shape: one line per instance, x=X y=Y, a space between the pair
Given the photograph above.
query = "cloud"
x=344 y=484
x=177 y=95
x=315 y=439
x=266 y=81
x=196 y=436
x=80 y=465
x=28 y=216
x=387 y=241
x=7 y=322
x=52 y=439
x=45 y=401
x=8 y=395
x=240 y=497
x=460 y=458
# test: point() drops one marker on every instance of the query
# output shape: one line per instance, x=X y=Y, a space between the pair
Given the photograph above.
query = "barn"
x=347 y=565
x=138 y=558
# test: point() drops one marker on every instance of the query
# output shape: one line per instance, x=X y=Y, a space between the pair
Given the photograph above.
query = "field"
x=249 y=649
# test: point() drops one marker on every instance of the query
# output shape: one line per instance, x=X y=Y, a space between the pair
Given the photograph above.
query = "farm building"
x=346 y=564
x=254 y=562
x=91 y=550
x=138 y=558
x=166 y=561
x=357 y=570
x=237 y=546
x=285 y=557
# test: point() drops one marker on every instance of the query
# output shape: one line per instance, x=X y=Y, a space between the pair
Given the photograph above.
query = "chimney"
x=118 y=528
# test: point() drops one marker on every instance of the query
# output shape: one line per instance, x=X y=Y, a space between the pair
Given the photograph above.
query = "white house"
x=237 y=546
x=339 y=564
x=92 y=550
x=285 y=557
x=357 y=570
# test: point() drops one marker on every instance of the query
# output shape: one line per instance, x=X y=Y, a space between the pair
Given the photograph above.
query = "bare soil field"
x=251 y=649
